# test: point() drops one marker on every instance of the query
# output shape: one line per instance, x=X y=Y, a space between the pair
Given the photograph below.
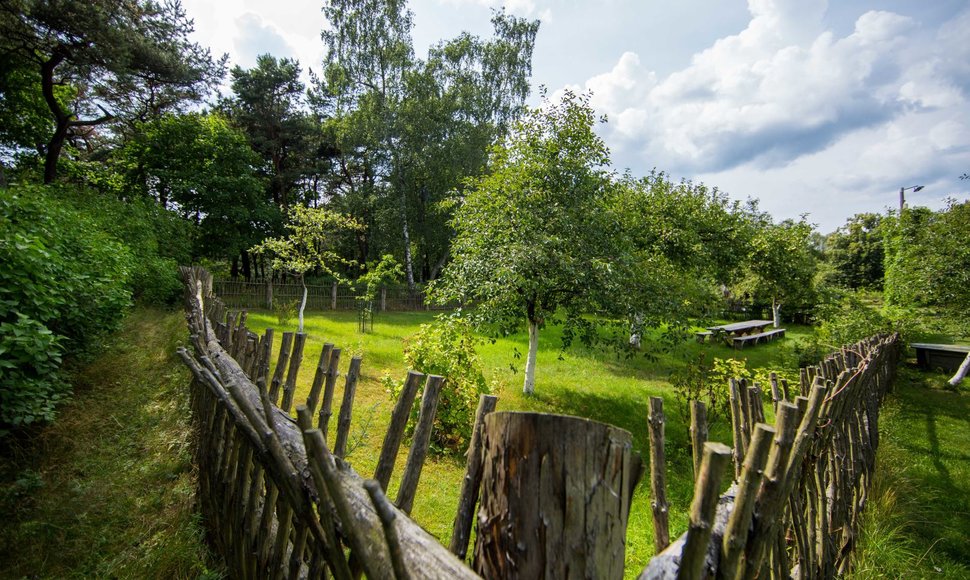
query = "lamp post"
x=902 y=199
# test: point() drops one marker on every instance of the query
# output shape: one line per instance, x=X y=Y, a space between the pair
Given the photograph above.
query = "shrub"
x=447 y=348
x=64 y=284
x=708 y=383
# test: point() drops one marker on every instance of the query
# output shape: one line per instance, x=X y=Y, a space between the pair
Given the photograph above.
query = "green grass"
x=108 y=490
x=588 y=382
x=918 y=522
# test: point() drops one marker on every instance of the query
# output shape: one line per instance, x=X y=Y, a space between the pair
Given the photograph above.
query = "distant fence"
x=279 y=501
x=252 y=295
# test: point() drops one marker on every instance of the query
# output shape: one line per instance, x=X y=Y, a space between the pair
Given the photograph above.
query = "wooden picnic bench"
x=734 y=329
x=739 y=341
x=940 y=356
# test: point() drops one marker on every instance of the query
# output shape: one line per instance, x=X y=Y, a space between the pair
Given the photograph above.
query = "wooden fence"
x=240 y=294
x=800 y=485
x=279 y=501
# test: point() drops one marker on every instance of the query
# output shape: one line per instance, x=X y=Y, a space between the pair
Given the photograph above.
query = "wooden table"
x=940 y=356
x=741 y=328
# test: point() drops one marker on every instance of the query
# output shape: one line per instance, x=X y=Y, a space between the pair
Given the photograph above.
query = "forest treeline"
x=127 y=149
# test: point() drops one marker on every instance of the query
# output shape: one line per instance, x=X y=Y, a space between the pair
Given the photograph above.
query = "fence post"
x=566 y=476
x=269 y=293
x=333 y=297
x=383 y=298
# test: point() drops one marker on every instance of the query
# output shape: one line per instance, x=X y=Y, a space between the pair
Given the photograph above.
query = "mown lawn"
x=589 y=382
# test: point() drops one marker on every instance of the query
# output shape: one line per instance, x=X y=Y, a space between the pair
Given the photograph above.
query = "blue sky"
x=812 y=107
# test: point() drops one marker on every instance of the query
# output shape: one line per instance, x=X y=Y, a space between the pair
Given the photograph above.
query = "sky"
x=815 y=108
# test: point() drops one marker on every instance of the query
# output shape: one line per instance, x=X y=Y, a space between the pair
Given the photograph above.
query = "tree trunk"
x=302 y=302
x=408 y=266
x=776 y=312
x=636 y=330
x=555 y=497
x=961 y=372
x=529 y=386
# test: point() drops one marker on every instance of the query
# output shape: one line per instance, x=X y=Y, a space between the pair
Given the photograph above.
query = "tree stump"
x=555 y=497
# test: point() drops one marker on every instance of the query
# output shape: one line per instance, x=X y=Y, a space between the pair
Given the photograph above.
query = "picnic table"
x=741 y=328
x=738 y=334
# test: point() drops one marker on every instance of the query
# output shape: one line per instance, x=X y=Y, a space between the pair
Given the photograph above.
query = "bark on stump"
x=555 y=497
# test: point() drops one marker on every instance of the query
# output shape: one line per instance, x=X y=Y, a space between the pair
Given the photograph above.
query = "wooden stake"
x=707 y=490
x=658 y=470
x=419 y=444
x=395 y=432
x=698 y=433
x=470 y=484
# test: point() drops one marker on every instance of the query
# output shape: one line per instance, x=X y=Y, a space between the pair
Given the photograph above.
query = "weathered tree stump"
x=555 y=497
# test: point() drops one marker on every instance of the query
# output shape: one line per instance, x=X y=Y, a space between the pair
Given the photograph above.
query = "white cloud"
x=786 y=98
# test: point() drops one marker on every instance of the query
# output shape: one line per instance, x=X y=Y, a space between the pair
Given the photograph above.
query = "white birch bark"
x=776 y=312
x=530 y=362
x=961 y=372
x=302 y=303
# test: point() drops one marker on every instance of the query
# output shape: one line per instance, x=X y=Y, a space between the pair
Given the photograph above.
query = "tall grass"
x=917 y=523
x=108 y=490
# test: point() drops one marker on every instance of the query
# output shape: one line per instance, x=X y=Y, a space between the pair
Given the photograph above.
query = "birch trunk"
x=302 y=302
x=961 y=372
x=776 y=312
x=530 y=362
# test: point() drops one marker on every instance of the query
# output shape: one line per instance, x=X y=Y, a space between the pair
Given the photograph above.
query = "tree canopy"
x=126 y=61
x=533 y=234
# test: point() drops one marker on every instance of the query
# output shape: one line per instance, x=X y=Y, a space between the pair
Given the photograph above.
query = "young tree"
x=310 y=245
x=124 y=60
x=533 y=235
x=781 y=264
x=687 y=240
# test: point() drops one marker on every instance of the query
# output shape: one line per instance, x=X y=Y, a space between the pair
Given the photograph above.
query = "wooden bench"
x=768 y=336
x=940 y=356
x=702 y=336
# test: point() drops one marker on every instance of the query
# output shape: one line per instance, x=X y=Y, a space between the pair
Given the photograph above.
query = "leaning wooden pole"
x=471 y=483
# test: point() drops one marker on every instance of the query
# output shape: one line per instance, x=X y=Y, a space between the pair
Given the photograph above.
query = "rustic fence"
x=800 y=485
x=250 y=295
x=279 y=501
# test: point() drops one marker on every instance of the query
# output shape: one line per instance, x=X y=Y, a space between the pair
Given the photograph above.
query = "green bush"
x=447 y=348
x=64 y=284
x=158 y=239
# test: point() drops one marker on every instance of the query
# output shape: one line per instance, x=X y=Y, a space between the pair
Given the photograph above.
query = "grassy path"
x=109 y=490
x=918 y=522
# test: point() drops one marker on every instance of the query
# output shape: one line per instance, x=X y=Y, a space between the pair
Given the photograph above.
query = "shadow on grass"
x=932 y=426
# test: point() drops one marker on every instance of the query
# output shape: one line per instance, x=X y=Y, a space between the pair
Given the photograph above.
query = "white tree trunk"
x=776 y=312
x=530 y=362
x=961 y=372
x=408 y=268
x=302 y=303
x=635 y=329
